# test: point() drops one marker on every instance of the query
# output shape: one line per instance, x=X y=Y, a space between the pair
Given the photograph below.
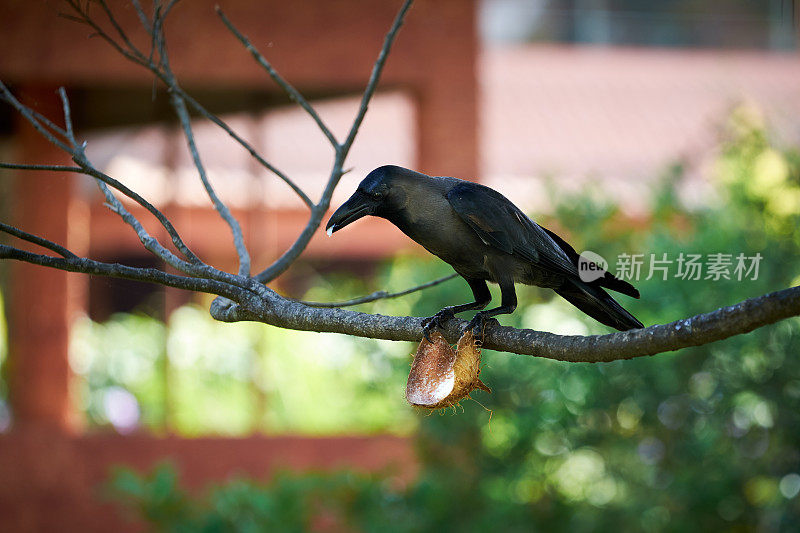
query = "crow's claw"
x=477 y=325
x=436 y=321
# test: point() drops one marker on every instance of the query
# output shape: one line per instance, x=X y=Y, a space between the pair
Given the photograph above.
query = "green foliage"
x=708 y=438
x=288 y=503
x=124 y=354
x=704 y=439
x=195 y=375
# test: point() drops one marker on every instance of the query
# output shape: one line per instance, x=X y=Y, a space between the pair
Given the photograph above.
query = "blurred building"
x=616 y=91
x=50 y=467
x=512 y=93
x=619 y=118
x=719 y=24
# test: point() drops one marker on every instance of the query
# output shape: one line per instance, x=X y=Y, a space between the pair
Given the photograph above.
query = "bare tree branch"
x=318 y=212
x=89 y=170
x=161 y=70
x=377 y=295
x=271 y=309
x=113 y=203
x=40 y=241
x=70 y=134
x=82 y=16
x=116 y=25
x=142 y=17
x=702 y=329
x=136 y=56
x=179 y=105
x=288 y=257
x=76 y=151
x=293 y=93
x=719 y=324
x=375 y=76
x=33 y=118
x=49 y=168
x=252 y=151
x=194 y=268
x=219 y=205
x=44 y=120
x=246 y=298
x=116 y=270
x=150 y=243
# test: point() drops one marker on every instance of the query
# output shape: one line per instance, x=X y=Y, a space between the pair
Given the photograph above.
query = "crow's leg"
x=508 y=304
x=482 y=298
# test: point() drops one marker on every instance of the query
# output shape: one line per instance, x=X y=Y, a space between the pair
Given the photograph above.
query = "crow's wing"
x=608 y=280
x=500 y=224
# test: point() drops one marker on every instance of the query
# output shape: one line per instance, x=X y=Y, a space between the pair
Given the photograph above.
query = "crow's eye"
x=375 y=194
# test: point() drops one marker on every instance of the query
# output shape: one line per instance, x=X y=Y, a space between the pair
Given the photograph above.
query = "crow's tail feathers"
x=597 y=303
x=609 y=281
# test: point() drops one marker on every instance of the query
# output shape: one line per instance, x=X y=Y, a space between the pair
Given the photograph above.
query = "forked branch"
x=245 y=297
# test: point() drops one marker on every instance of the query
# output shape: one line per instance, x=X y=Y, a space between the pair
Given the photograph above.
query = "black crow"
x=484 y=237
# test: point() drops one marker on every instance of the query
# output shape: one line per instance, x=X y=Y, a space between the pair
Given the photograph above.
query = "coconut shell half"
x=440 y=376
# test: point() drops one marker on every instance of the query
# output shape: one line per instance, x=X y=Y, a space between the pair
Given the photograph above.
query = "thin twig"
x=196 y=268
x=179 y=105
x=169 y=7
x=288 y=257
x=104 y=180
x=116 y=270
x=136 y=56
x=31 y=117
x=89 y=170
x=252 y=151
x=200 y=270
x=35 y=239
x=377 y=295
x=375 y=76
x=142 y=17
x=238 y=237
x=47 y=122
x=318 y=212
x=156 y=29
x=79 y=157
x=293 y=93
x=150 y=243
x=67 y=116
x=116 y=25
x=49 y=168
x=84 y=18
x=157 y=43
x=85 y=167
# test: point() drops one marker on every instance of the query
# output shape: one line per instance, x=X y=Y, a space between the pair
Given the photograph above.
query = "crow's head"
x=377 y=195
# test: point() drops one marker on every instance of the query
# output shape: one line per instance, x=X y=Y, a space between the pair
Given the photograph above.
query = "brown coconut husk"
x=440 y=376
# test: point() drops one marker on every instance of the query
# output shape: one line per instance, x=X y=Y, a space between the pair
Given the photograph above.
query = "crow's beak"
x=359 y=205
